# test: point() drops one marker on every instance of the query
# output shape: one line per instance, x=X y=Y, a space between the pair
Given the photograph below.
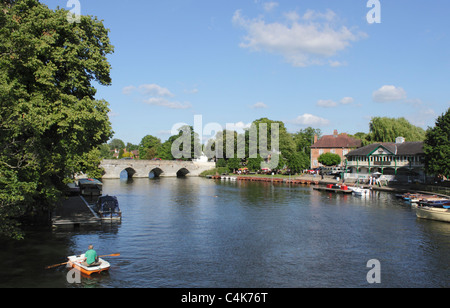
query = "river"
x=200 y=233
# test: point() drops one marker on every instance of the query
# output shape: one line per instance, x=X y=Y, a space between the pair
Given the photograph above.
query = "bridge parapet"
x=163 y=168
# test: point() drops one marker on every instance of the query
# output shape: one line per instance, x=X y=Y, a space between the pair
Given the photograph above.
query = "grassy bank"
x=214 y=171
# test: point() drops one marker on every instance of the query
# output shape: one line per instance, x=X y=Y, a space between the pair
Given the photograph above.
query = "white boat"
x=359 y=191
x=77 y=262
x=433 y=213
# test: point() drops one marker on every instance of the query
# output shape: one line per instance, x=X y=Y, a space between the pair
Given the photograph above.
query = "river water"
x=200 y=233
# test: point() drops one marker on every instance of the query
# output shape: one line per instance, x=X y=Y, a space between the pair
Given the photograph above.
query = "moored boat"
x=434 y=202
x=107 y=208
x=433 y=213
x=77 y=262
x=90 y=187
x=359 y=191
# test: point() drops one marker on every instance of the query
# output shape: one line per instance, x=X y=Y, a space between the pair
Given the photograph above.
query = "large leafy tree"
x=50 y=121
x=383 y=129
x=149 y=146
x=437 y=147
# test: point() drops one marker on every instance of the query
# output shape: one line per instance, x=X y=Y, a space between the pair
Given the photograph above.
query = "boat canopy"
x=108 y=204
x=89 y=182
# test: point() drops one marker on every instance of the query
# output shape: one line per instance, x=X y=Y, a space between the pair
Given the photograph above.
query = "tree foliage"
x=149 y=146
x=329 y=159
x=50 y=121
x=437 y=147
x=383 y=129
x=297 y=162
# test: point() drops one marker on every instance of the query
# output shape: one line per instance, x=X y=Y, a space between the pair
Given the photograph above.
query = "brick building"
x=340 y=144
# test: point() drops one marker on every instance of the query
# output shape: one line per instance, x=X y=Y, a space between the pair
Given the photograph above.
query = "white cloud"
x=347 y=100
x=269 y=6
x=310 y=120
x=259 y=105
x=238 y=127
x=327 y=103
x=389 y=93
x=191 y=91
x=153 y=94
x=128 y=90
x=160 y=101
x=301 y=41
x=313 y=15
x=155 y=89
x=422 y=117
x=167 y=132
x=113 y=114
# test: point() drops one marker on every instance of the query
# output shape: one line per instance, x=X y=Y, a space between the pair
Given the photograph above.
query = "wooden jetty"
x=74 y=212
x=266 y=179
x=333 y=190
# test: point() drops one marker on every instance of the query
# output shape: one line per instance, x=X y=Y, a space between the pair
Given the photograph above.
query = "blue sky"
x=307 y=63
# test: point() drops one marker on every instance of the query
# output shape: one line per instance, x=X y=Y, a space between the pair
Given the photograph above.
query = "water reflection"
x=193 y=232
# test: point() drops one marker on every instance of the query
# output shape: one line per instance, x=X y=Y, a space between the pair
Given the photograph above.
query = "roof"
x=337 y=141
x=406 y=148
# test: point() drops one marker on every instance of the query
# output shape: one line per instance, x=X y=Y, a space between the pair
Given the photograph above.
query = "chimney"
x=335 y=133
x=400 y=140
x=315 y=139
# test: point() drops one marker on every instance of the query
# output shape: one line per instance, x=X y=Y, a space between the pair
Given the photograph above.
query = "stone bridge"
x=146 y=168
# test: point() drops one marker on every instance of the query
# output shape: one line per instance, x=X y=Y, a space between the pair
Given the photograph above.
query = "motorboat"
x=433 y=213
x=107 y=208
x=360 y=191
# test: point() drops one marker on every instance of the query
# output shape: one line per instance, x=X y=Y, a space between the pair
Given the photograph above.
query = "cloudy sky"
x=306 y=62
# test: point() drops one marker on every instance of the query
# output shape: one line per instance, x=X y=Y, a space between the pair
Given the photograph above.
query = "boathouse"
x=400 y=160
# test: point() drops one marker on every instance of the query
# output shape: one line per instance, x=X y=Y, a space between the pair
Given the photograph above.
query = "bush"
x=329 y=159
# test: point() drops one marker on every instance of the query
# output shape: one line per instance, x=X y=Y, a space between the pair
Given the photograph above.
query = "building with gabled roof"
x=398 y=158
x=340 y=144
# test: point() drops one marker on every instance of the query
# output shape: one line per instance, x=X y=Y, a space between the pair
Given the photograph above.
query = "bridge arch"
x=182 y=172
x=127 y=173
x=155 y=173
x=141 y=168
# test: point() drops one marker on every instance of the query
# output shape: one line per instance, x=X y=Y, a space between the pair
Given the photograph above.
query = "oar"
x=56 y=265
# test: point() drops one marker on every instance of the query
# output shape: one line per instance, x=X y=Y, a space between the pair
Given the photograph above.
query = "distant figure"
x=91 y=258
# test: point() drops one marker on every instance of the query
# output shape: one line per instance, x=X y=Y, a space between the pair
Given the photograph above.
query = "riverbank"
x=319 y=181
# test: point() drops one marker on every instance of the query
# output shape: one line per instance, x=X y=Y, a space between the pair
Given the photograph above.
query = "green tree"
x=186 y=143
x=105 y=151
x=50 y=121
x=383 y=129
x=285 y=140
x=165 y=150
x=254 y=164
x=148 y=148
x=297 y=162
x=116 y=144
x=329 y=159
x=304 y=138
x=221 y=162
x=437 y=147
x=234 y=164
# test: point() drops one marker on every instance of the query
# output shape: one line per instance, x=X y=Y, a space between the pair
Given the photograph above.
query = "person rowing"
x=91 y=258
